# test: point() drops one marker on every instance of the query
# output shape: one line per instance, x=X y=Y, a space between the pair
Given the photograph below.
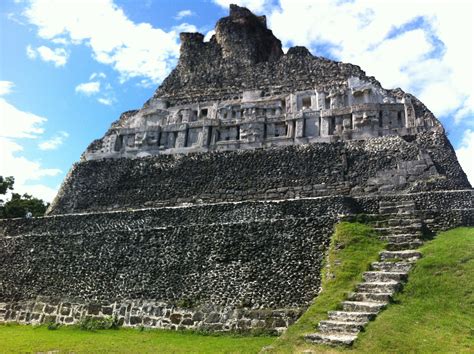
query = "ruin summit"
x=239 y=91
x=212 y=207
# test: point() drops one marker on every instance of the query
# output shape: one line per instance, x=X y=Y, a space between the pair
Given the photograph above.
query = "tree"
x=6 y=184
x=19 y=205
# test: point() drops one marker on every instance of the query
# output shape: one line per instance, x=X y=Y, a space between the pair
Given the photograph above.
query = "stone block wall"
x=224 y=266
x=439 y=210
x=151 y=314
x=169 y=267
x=434 y=201
x=314 y=170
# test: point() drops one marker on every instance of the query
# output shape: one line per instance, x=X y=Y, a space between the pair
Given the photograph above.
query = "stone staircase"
x=401 y=229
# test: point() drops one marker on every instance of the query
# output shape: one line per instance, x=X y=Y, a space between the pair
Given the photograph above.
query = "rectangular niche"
x=281 y=130
x=306 y=102
x=193 y=137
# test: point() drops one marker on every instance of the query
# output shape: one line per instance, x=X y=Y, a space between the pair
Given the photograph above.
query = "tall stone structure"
x=212 y=205
x=239 y=91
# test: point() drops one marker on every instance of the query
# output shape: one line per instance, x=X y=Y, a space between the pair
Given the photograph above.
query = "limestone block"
x=299 y=130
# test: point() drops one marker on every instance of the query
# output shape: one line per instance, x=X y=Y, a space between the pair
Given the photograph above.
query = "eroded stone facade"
x=229 y=94
x=359 y=110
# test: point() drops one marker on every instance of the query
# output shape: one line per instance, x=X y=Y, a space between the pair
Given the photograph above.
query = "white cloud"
x=466 y=109
x=6 y=87
x=21 y=168
x=57 y=56
x=185 y=27
x=60 y=40
x=208 y=35
x=183 y=13
x=54 y=142
x=40 y=191
x=17 y=124
x=465 y=154
x=421 y=46
x=30 y=52
x=25 y=171
x=105 y=101
x=255 y=5
x=99 y=86
x=132 y=49
x=97 y=75
x=88 y=88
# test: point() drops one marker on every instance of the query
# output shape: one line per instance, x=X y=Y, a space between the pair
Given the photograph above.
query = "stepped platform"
x=207 y=266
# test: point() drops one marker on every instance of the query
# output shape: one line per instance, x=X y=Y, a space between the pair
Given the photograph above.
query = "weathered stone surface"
x=221 y=263
x=239 y=91
x=280 y=173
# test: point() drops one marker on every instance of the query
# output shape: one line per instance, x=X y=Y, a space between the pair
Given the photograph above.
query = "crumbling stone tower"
x=212 y=205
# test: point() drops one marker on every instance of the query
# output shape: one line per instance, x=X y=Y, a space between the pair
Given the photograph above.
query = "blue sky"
x=68 y=68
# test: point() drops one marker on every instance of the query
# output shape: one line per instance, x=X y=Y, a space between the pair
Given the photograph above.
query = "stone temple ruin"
x=213 y=205
x=254 y=119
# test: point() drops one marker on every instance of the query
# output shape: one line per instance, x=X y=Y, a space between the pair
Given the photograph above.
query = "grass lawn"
x=28 y=339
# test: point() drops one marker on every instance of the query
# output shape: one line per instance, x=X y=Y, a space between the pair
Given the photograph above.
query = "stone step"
x=348 y=316
x=331 y=326
x=397 y=209
x=407 y=255
x=400 y=221
x=392 y=266
x=383 y=276
x=331 y=339
x=399 y=246
x=396 y=203
x=371 y=297
x=396 y=238
x=413 y=229
x=379 y=287
x=363 y=306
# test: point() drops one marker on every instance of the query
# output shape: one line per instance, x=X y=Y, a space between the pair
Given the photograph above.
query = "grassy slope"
x=22 y=339
x=435 y=312
x=353 y=247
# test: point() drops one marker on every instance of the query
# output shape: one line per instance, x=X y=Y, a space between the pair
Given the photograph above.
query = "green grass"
x=29 y=339
x=353 y=247
x=435 y=312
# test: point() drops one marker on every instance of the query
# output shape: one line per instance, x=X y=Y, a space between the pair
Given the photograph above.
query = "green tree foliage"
x=6 y=184
x=19 y=205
